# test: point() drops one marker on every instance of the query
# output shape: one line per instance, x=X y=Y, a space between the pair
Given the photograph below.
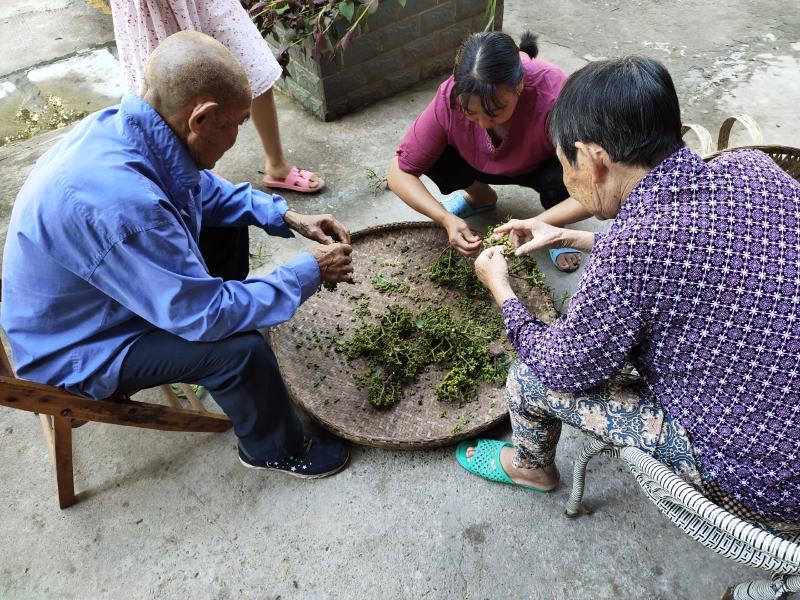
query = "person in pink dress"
x=487 y=125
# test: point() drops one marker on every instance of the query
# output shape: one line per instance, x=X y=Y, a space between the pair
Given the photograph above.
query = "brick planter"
x=404 y=45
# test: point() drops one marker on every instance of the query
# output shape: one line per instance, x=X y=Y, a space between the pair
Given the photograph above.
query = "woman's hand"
x=533 y=234
x=461 y=237
x=529 y=235
x=491 y=267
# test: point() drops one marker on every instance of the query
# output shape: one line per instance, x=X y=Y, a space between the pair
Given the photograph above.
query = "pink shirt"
x=525 y=146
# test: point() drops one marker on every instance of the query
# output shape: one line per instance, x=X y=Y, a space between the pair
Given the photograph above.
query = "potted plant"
x=340 y=55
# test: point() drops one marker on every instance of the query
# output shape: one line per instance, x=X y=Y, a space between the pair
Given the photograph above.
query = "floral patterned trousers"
x=624 y=413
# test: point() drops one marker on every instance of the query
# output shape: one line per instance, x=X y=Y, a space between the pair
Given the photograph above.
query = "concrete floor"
x=175 y=516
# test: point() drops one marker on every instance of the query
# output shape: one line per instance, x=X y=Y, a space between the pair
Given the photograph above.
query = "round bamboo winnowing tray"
x=320 y=380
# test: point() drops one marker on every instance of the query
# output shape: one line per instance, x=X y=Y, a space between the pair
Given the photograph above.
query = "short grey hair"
x=188 y=65
x=628 y=106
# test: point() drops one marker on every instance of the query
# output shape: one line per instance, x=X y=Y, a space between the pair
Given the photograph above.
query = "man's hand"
x=491 y=267
x=461 y=237
x=532 y=234
x=334 y=262
x=320 y=228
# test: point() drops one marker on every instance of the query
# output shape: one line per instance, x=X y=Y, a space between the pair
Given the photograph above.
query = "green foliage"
x=467 y=341
x=403 y=343
x=259 y=255
x=377 y=182
x=491 y=11
x=452 y=270
x=384 y=285
x=316 y=26
x=520 y=267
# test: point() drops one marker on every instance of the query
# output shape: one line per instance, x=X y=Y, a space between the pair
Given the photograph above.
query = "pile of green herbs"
x=466 y=340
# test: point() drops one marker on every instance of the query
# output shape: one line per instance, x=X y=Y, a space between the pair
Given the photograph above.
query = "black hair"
x=627 y=105
x=485 y=62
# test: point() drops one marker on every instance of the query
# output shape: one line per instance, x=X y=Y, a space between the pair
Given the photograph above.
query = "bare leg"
x=265 y=118
x=480 y=194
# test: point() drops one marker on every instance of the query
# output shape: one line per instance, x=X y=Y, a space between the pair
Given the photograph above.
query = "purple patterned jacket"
x=697 y=283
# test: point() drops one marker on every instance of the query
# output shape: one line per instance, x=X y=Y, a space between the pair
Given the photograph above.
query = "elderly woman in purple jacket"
x=696 y=284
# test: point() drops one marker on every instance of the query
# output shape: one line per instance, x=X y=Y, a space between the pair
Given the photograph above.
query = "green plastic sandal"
x=485 y=462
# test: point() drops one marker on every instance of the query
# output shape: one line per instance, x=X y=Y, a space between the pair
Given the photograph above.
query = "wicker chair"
x=787 y=157
x=692 y=512
x=704 y=521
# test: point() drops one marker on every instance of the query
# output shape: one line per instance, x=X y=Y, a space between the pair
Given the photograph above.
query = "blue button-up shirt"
x=102 y=248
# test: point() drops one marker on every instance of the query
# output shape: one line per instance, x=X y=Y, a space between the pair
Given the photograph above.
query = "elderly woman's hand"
x=529 y=235
x=532 y=234
x=491 y=267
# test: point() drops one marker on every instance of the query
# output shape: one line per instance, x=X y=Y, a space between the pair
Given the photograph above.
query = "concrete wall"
x=404 y=45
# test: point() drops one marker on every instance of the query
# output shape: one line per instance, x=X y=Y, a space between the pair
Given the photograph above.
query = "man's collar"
x=659 y=180
x=171 y=158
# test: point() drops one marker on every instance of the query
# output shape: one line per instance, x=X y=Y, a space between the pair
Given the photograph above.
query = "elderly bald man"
x=105 y=288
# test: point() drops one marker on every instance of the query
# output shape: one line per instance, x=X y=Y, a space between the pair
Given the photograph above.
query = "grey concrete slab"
x=88 y=80
x=174 y=515
x=36 y=33
x=63 y=48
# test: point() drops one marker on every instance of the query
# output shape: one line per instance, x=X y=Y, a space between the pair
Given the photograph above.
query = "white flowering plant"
x=52 y=115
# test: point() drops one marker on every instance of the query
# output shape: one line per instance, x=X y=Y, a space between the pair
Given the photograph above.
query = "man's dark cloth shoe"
x=320 y=456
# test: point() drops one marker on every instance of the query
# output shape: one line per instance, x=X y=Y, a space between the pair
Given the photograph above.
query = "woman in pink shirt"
x=486 y=125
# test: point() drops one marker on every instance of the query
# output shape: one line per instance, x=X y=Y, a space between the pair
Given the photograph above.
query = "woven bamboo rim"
x=703 y=136
x=787 y=157
x=321 y=382
x=749 y=124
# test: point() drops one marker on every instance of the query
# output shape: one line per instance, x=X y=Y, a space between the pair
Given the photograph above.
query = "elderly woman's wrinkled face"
x=597 y=195
x=578 y=180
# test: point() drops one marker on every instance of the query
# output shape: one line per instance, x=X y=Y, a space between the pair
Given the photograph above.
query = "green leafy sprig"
x=520 y=267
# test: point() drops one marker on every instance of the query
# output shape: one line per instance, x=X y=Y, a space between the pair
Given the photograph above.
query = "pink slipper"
x=297 y=180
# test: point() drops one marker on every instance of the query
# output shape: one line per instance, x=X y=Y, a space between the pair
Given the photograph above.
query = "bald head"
x=189 y=65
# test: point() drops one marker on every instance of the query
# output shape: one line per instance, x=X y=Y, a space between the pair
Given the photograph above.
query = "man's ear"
x=201 y=115
x=597 y=158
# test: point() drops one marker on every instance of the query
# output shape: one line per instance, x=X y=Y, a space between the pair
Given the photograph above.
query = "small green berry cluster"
x=521 y=267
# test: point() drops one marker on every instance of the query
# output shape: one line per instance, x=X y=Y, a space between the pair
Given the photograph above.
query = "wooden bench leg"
x=192 y=398
x=58 y=435
x=171 y=396
x=62 y=447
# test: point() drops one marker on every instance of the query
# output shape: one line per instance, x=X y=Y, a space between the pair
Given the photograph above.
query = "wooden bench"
x=59 y=411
